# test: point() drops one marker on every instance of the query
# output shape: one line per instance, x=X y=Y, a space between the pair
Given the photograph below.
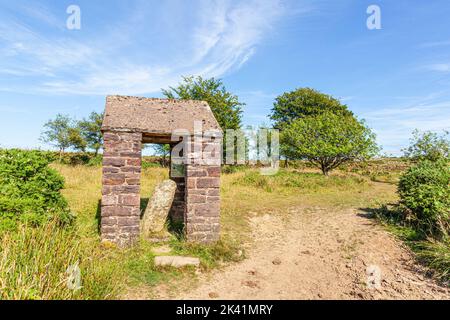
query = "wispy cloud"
x=439 y=67
x=394 y=124
x=223 y=37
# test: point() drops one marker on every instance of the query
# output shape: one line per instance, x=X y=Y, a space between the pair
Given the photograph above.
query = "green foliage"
x=328 y=140
x=225 y=106
x=90 y=129
x=64 y=133
x=425 y=192
x=162 y=150
x=76 y=139
x=81 y=158
x=304 y=102
x=29 y=189
x=428 y=146
x=58 y=132
x=294 y=181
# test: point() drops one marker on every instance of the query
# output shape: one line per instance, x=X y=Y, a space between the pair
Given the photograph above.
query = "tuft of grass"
x=429 y=252
x=108 y=272
x=34 y=261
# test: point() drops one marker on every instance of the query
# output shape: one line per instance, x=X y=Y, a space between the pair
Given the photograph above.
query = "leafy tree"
x=76 y=139
x=328 y=140
x=428 y=146
x=304 y=102
x=58 y=133
x=226 y=106
x=91 y=131
x=162 y=150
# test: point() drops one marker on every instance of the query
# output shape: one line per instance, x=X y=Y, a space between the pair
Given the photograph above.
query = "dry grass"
x=109 y=271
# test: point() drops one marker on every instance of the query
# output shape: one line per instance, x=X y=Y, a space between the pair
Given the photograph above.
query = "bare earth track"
x=317 y=253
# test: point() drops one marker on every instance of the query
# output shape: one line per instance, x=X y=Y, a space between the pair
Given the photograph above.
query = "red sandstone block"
x=114 y=162
x=207 y=209
x=132 y=182
x=130 y=200
x=109 y=200
x=133 y=162
x=201 y=192
x=129 y=221
x=110 y=136
x=213 y=171
x=212 y=199
x=108 y=221
x=196 y=173
x=191 y=182
x=196 y=199
x=118 y=211
x=208 y=183
x=131 y=154
x=110 y=153
x=113 y=179
x=213 y=192
x=110 y=170
x=131 y=169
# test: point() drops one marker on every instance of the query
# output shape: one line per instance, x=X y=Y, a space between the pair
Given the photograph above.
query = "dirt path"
x=316 y=253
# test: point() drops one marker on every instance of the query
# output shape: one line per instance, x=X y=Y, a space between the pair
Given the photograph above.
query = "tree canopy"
x=328 y=140
x=90 y=130
x=304 y=102
x=428 y=146
x=226 y=106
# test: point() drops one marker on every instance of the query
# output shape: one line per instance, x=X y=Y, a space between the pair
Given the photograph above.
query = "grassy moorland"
x=33 y=260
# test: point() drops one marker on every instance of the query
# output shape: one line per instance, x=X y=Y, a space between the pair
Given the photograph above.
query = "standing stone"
x=158 y=208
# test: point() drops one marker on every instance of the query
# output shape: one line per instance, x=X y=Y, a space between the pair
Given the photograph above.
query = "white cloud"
x=395 y=124
x=439 y=67
x=221 y=38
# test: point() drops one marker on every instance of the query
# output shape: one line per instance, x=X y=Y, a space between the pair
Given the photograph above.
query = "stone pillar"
x=120 y=208
x=178 y=205
x=202 y=212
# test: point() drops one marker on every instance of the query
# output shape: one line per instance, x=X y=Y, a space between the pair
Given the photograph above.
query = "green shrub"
x=81 y=158
x=29 y=189
x=425 y=193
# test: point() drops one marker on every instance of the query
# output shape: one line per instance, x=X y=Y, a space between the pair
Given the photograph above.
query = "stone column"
x=178 y=205
x=120 y=208
x=202 y=213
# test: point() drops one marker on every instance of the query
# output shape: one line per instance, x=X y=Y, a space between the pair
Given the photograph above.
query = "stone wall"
x=202 y=213
x=178 y=204
x=120 y=208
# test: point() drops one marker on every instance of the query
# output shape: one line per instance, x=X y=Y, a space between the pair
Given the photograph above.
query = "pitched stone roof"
x=158 y=117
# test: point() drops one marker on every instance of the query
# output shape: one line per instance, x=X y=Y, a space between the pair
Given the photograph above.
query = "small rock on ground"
x=176 y=261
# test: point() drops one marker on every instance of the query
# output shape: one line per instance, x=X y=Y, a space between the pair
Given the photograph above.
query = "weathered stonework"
x=202 y=213
x=120 y=213
x=131 y=121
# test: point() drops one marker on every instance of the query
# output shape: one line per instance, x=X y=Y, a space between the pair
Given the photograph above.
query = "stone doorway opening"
x=129 y=123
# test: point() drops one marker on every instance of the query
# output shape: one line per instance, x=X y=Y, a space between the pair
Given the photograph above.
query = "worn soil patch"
x=317 y=253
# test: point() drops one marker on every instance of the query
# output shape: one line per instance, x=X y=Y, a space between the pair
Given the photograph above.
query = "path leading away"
x=317 y=254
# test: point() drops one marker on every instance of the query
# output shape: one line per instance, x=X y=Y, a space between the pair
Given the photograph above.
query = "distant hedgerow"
x=30 y=189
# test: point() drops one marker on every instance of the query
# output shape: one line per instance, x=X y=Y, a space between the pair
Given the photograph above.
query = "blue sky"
x=397 y=78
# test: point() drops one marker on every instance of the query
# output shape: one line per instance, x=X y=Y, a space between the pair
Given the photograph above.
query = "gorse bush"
x=29 y=189
x=425 y=193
